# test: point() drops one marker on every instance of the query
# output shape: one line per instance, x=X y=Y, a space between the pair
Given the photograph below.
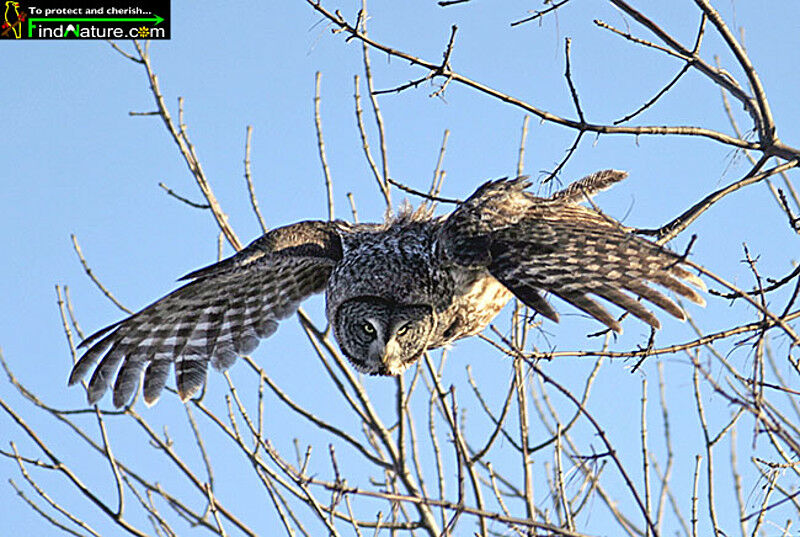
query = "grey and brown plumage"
x=393 y=290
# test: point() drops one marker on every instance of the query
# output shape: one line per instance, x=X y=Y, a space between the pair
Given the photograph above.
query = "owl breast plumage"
x=393 y=290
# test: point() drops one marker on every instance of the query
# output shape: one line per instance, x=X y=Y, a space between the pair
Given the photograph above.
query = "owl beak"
x=390 y=359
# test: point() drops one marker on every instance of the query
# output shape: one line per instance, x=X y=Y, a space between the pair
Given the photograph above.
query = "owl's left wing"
x=221 y=312
x=534 y=245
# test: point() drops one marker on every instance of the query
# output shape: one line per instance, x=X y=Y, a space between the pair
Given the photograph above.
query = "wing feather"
x=155 y=378
x=534 y=245
x=529 y=295
x=627 y=303
x=221 y=313
x=128 y=378
x=583 y=189
x=190 y=375
x=586 y=304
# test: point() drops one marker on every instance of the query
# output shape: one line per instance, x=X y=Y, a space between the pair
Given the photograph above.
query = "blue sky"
x=77 y=163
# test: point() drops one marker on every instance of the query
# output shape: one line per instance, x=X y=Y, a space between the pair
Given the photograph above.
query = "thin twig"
x=249 y=178
x=180 y=198
x=415 y=192
x=94 y=278
x=540 y=14
x=321 y=145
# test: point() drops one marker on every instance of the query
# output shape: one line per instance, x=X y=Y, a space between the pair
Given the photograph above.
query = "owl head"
x=381 y=337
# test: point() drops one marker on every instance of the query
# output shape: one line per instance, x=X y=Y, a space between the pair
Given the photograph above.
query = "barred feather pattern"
x=573 y=260
x=554 y=245
x=221 y=314
x=585 y=188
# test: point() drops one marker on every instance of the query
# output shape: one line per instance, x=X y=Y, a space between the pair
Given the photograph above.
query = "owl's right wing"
x=534 y=245
x=222 y=312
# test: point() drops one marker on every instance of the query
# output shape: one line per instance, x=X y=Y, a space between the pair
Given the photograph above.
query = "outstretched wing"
x=221 y=313
x=533 y=245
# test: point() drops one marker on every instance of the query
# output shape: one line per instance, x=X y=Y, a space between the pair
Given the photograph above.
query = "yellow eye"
x=368 y=328
x=403 y=329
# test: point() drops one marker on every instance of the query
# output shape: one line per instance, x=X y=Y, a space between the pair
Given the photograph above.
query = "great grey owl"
x=393 y=290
